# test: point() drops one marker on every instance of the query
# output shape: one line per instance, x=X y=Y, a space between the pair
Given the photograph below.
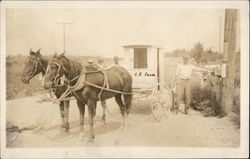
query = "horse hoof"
x=66 y=131
x=63 y=126
x=67 y=125
x=122 y=128
x=92 y=139
x=104 y=118
x=103 y=123
x=62 y=130
x=176 y=112
x=81 y=138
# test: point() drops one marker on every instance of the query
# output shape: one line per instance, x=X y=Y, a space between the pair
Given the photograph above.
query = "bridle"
x=38 y=61
x=56 y=76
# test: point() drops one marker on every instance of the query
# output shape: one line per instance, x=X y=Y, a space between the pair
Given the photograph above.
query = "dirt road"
x=177 y=130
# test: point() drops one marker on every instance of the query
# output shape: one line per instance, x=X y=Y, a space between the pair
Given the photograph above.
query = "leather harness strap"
x=105 y=84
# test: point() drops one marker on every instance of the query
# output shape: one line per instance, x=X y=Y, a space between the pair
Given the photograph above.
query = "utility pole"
x=229 y=60
x=187 y=43
x=220 y=37
x=64 y=32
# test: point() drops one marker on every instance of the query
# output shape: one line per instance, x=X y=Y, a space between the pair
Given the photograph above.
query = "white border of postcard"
x=133 y=152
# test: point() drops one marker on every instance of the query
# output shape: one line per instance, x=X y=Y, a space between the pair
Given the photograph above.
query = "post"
x=229 y=59
x=64 y=34
x=220 y=37
x=63 y=37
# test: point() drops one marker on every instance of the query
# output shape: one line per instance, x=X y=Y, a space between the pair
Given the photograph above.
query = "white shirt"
x=185 y=71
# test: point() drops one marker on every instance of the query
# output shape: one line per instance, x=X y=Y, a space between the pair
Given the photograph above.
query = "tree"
x=197 y=51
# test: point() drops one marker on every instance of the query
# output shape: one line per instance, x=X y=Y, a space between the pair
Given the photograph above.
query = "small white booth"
x=145 y=63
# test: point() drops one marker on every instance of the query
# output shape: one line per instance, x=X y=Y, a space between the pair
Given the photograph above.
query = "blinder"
x=55 y=76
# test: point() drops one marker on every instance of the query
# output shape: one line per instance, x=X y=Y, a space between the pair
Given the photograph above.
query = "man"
x=100 y=63
x=116 y=60
x=183 y=76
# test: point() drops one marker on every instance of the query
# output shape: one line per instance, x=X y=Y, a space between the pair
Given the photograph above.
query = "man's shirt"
x=185 y=71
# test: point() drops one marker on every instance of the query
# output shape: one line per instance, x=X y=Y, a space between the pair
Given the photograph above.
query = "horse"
x=118 y=80
x=36 y=63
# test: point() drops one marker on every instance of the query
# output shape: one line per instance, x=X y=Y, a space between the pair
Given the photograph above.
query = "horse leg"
x=104 y=106
x=66 y=115
x=81 y=107
x=92 y=110
x=118 y=100
x=61 y=105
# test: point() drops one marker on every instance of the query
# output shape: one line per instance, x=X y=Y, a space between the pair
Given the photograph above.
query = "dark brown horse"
x=35 y=64
x=118 y=79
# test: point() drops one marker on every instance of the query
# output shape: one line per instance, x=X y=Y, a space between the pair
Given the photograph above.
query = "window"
x=140 y=58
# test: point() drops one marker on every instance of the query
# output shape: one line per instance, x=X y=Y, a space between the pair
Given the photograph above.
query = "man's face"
x=185 y=60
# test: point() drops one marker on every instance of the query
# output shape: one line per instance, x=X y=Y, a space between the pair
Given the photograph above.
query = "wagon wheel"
x=161 y=101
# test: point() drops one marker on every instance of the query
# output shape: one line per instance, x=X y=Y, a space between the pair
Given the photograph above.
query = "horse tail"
x=128 y=97
x=127 y=102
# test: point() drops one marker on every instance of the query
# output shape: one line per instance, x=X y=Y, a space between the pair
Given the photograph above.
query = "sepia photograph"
x=124 y=79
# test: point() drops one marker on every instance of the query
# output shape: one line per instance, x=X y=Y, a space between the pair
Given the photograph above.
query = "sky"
x=102 y=32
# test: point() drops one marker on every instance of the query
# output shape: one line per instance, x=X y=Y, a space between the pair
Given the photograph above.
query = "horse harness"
x=59 y=65
x=72 y=89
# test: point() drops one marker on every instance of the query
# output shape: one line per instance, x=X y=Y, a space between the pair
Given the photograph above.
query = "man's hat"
x=90 y=61
x=116 y=58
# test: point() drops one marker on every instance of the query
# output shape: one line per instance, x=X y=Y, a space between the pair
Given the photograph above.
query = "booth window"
x=140 y=58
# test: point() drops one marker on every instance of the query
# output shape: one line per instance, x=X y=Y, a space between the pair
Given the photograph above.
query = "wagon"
x=146 y=65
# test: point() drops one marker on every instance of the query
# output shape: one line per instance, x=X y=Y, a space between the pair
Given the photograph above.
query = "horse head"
x=55 y=70
x=32 y=66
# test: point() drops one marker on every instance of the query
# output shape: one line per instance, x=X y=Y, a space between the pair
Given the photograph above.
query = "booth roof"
x=141 y=46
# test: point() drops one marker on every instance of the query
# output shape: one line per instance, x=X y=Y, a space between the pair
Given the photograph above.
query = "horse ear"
x=31 y=51
x=38 y=51
x=55 y=55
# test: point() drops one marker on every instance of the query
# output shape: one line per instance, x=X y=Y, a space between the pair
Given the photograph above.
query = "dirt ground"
x=179 y=130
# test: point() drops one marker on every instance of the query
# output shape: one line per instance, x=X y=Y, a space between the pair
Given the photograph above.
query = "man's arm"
x=196 y=68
